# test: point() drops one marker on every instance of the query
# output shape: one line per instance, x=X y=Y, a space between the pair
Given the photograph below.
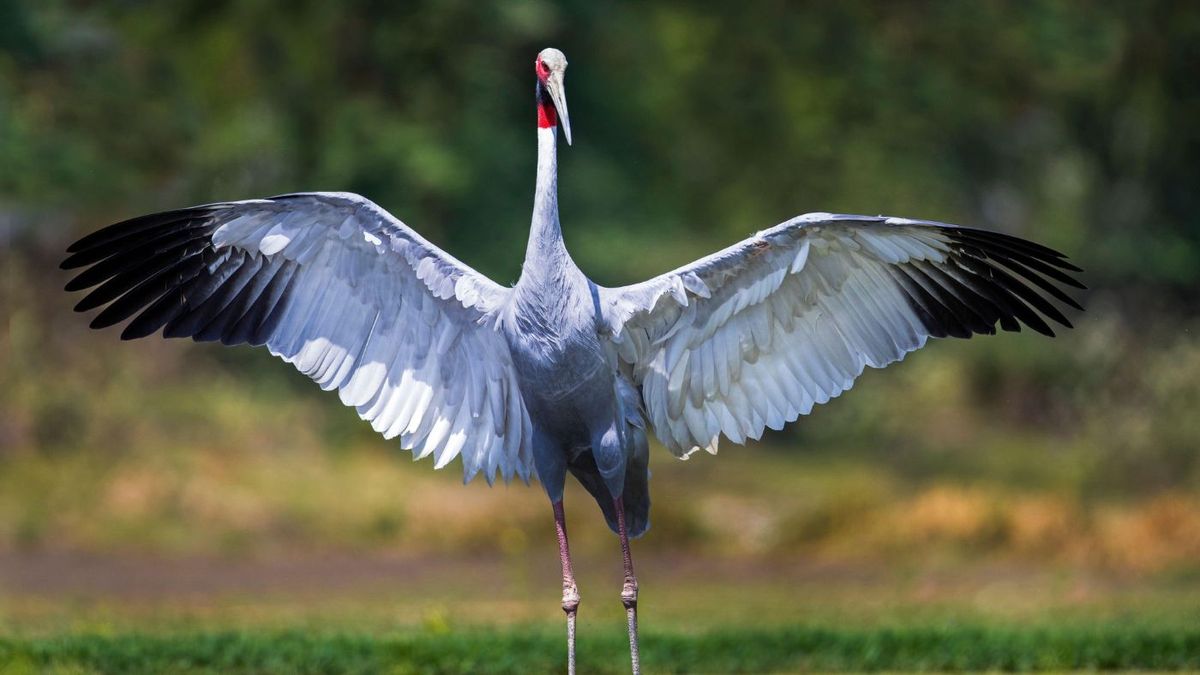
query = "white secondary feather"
x=393 y=323
x=755 y=335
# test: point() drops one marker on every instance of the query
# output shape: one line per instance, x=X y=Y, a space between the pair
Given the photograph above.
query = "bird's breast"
x=556 y=355
x=557 y=366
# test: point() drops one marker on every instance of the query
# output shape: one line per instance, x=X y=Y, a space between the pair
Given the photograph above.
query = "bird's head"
x=550 y=66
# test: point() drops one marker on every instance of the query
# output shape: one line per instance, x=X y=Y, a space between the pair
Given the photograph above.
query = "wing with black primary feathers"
x=755 y=335
x=342 y=290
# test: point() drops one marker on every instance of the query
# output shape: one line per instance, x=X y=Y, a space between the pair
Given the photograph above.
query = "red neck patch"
x=547 y=115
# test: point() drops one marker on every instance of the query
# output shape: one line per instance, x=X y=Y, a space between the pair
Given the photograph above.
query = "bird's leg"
x=570 y=596
x=629 y=591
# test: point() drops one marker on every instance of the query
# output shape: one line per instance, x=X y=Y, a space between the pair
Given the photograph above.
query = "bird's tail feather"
x=635 y=495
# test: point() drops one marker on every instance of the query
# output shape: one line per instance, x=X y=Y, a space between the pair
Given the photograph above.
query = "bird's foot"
x=570 y=598
x=570 y=605
x=629 y=596
x=629 y=593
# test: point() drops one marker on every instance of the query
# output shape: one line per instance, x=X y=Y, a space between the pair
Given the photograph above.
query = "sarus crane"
x=557 y=374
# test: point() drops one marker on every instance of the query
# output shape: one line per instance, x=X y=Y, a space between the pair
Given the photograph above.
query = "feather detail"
x=789 y=318
x=336 y=286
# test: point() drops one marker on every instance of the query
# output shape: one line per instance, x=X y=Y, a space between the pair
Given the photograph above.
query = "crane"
x=557 y=374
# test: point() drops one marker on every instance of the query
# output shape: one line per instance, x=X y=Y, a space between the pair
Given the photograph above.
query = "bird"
x=556 y=374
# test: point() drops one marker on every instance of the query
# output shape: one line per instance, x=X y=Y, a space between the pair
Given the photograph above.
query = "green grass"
x=538 y=649
x=447 y=615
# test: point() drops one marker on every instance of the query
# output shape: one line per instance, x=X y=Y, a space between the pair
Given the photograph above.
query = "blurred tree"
x=1072 y=123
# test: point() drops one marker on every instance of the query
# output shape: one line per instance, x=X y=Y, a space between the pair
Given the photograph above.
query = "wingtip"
x=86 y=304
x=99 y=322
x=135 y=332
x=77 y=283
x=1044 y=330
x=76 y=260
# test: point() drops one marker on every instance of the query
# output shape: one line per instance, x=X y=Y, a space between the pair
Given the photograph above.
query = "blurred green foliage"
x=1068 y=122
x=1075 y=124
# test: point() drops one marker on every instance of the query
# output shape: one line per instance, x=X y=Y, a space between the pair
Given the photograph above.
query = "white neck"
x=545 y=246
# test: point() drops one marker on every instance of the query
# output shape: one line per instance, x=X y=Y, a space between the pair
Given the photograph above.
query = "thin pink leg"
x=629 y=591
x=570 y=596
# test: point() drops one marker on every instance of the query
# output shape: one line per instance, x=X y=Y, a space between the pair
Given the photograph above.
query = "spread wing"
x=342 y=290
x=755 y=335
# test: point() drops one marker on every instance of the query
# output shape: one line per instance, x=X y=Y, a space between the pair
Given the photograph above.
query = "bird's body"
x=583 y=416
x=584 y=413
x=557 y=375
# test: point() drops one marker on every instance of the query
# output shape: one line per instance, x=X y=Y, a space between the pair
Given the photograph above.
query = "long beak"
x=558 y=95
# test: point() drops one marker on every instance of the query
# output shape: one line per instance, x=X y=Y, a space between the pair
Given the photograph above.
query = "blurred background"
x=1005 y=478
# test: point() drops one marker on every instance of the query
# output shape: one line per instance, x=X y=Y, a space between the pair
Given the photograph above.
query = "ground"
x=82 y=613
